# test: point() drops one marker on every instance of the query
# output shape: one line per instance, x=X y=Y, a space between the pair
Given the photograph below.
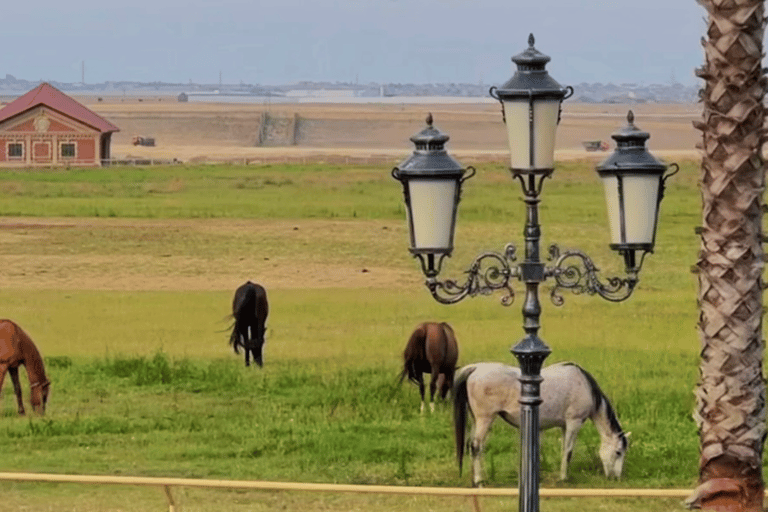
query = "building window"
x=68 y=150
x=16 y=150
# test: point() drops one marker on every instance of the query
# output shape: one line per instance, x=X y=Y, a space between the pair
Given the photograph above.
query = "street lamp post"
x=633 y=181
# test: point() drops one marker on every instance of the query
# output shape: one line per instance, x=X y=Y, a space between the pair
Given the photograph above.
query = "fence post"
x=169 y=497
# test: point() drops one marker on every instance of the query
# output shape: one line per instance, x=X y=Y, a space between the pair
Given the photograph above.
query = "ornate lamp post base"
x=531 y=353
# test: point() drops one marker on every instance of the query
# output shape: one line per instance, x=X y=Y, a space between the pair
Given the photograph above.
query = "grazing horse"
x=432 y=348
x=249 y=311
x=569 y=396
x=17 y=348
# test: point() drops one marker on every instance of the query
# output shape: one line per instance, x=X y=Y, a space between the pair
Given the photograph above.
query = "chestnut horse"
x=17 y=348
x=249 y=310
x=432 y=348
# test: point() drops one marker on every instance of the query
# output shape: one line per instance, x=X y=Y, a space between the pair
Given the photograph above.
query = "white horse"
x=569 y=395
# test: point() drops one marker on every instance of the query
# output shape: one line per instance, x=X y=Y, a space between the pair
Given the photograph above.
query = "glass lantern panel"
x=432 y=210
x=518 y=133
x=641 y=198
x=611 y=188
x=545 y=113
x=640 y=195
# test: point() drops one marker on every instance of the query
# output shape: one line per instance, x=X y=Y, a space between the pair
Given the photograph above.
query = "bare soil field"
x=39 y=254
x=380 y=132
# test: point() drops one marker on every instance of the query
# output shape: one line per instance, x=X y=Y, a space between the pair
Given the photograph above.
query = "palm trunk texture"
x=730 y=395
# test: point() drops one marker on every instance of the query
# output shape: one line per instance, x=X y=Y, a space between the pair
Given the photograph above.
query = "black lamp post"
x=634 y=183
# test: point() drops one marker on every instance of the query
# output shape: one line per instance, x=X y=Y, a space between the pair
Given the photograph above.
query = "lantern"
x=530 y=103
x=633 y=180
x=431 y=182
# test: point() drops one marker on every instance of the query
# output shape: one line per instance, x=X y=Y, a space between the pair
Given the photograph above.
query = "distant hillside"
x=584 y=92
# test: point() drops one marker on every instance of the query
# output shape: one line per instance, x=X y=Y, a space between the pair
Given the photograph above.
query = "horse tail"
x=414 y=353
x=402 y=376
x=460 y=405
x=234 y=339
x=396 y=385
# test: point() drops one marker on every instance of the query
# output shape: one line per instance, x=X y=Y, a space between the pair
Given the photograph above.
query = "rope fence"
x=167 y=484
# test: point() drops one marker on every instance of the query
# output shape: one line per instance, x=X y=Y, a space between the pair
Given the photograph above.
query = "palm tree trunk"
x=730 y=395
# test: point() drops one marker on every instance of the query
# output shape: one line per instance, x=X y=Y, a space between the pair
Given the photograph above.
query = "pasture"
x=123 y=278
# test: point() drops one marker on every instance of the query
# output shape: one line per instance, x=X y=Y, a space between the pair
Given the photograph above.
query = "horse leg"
x=479 y=433
x=256 y=350
x=250 y=342
x=257 y=346
x=14 y=372
x=436 y=380
x=3 y=369
x=247 y=350
x=447 y=384
x=572 y=428
x=421 y=392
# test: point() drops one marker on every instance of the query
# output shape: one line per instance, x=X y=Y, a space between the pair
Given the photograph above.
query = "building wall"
x=45 y=136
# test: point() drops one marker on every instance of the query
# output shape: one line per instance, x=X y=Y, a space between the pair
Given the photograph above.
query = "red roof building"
x=45 y=128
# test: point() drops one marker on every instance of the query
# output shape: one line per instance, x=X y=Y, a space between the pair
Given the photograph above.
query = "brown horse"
x=17 y=348
x=432 y=348
x=249 y=310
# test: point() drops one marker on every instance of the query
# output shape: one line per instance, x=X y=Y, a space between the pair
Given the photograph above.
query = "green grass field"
x=144 y=382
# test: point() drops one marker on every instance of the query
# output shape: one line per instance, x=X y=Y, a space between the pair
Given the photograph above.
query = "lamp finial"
x=630 y=117
x=429 y=119
x=531 y=40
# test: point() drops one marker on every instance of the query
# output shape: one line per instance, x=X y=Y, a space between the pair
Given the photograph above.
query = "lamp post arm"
x=489 y=272
x=574 y=270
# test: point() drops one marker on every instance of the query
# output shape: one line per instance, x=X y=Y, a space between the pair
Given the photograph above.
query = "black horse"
x=249 y=310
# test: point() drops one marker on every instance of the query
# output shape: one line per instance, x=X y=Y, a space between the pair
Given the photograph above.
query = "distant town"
x=672 y=92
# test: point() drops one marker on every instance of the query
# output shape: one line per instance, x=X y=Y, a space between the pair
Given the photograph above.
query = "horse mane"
x=599 y=398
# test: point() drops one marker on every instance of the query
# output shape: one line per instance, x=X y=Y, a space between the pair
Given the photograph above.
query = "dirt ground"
x=219 y=131
x=40 y=253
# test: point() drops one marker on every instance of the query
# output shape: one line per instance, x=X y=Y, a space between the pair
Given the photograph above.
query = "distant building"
x=45 y=128
x=321 y=93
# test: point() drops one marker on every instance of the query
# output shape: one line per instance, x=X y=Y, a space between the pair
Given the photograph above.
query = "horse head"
x=613 y=450
x=39 y=398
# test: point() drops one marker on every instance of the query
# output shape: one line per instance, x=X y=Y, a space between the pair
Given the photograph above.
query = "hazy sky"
x=385 y=41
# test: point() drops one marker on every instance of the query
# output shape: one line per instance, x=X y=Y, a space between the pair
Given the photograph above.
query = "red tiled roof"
x=48 y=95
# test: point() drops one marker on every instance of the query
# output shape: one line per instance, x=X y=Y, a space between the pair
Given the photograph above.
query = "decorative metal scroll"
x=489 y=272
x=573 y=270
